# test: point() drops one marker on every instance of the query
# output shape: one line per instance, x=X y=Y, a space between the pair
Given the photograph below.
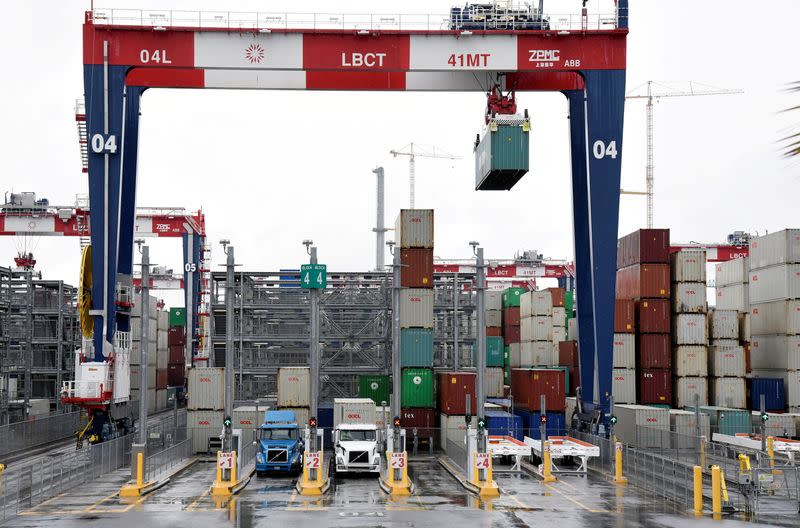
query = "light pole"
x=144 y=350
x=480 y=365
x=230 y=293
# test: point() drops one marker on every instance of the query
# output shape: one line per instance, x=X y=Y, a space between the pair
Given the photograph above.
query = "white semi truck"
x=356 y=437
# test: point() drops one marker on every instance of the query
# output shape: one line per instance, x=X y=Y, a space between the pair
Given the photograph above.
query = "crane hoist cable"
x=85 y=294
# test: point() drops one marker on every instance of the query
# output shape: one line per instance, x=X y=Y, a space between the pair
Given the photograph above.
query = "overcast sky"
x=273 y=168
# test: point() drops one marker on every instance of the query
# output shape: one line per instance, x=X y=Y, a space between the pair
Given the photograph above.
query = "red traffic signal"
x=312 y=422
x=396 y=421
x=543 y=419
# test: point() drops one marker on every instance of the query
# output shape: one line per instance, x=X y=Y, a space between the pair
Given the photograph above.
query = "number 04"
x=601 y=150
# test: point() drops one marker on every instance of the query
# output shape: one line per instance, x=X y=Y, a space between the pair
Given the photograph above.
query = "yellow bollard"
x=139 y=469
x=771 y=452
x=716 y=490
x=547 y=463
x=233 y=469
x=618 y=478
x=702 y=451
x=698 y=490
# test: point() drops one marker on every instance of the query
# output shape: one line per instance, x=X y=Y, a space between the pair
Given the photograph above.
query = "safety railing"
x=257 y=21
x=163 y=461
x=81 y=389
x=30 y=434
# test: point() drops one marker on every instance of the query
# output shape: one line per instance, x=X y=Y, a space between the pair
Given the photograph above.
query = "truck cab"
x=280 y=447
x=357 y=448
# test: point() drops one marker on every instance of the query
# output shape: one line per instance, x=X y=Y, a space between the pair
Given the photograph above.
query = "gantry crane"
x=667 y=90
x=422 y=152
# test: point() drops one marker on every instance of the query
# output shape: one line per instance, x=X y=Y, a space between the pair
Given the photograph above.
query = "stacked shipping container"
x=205 y=404
x=162 y=358
x=176 y=343
x=624 y=352
x=726 y=360
x=294 y=392
x=542 y=327
x=494 y=379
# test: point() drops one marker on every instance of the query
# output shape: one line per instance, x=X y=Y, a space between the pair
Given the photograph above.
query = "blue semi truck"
x=280 y=448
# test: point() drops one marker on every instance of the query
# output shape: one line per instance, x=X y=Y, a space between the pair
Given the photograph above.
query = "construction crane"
x=657 y=90
x=413 y=151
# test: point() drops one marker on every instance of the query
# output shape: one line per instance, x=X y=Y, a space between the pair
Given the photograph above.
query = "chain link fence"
x=22 y=436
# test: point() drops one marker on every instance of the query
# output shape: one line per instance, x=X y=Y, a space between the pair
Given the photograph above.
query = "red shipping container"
x=648 y=246
x=176 y=336
x=528 y=385
x=653 y=316
x=624 y=316
x=423 y=420
x=557 y=295
x=176 y=375
x=494 y=331
x=161 y=378
x=511 y=316
x=453 y=390
x=568 y=354
x=511 y=334
x=642 y=281
x=655 y=386
x=177 y=354
x=654 y=351
x=417 y=268
x=574 y=382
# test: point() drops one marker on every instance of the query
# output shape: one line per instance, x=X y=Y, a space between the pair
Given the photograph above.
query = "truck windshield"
x=346 y=435
x=278 y=434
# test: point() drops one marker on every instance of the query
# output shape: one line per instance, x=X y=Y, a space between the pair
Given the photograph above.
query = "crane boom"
x=412 y=155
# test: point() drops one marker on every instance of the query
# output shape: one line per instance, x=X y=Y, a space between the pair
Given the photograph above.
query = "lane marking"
x=98 y=503
x=575 y=501
x=33 y=510
x=521 y=504
x=201 y=497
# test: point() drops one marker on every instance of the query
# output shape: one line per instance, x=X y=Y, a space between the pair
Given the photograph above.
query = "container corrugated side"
x=728 y=392
x=723 y=324
x=559 y=334
x=687 y=387
x=248 y=418
x=294 y=386
x=493 y=382
x=536 y=328
x=778 y=424
x=536 y=354
x=528 y=385
x=690 y=329
x=778 y=317
x=623 y=385
x=655 y=387
x=726 y=361
x=773 y=390
x=353 y=411
x=377 y=387
x=494 y=318
x=559 y=316
x=202 y=425
x=493 y=300
x=690 y=360
x=684 y=424
x=775 y=352
x=727 y=420
x=689 y=297
x=454 y=387
x=301 y=414
x=644 y=245
x=624 y=316
x=536 y=303
x=206 y=388
x=421 y=422
x=780 y=247
x=416 y=269
x=453 y=430
x=775 y=283
x=689 y=265
x=653 y=316
x=414 y=228
x=416 y=347
x=654 y=351
x=514 y=355
x=733 y=297
x=624 y=351
x=417 y=388
x=643 y=281
x=642 y=426
x=732 y=272
x=416 y=308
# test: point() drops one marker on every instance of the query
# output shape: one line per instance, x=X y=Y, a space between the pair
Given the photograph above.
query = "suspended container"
x=502 y=155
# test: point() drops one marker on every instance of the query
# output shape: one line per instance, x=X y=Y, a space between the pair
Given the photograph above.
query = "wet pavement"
x=439 y=502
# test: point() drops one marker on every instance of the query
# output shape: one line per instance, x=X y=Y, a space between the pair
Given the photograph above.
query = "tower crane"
x=656 y=90
x=413 y=151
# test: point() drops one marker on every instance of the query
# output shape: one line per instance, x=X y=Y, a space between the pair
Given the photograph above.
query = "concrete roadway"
x=359 y=502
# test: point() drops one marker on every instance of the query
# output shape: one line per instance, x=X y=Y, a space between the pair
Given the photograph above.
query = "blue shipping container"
x=502 y=423
x=773 y=391
x=325 y=421
x=556 y=424
x=292 y=275
x=416 y=347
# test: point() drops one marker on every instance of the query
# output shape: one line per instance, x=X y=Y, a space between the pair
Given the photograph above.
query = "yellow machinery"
x=85 y=294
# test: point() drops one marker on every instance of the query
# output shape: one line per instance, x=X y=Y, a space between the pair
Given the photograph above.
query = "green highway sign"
x=313 y=276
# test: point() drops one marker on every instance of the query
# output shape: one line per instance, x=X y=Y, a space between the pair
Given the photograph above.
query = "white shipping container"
x=689 y=297
x=353 y=411
x=162 y=340
x=728 y=392
x=136 y=329
x=559 y=334
x=514 y=357
x=726 y=361
x=690 y=360
x=536 y=328
x=162 y=358
x=624 y=351
x=686 y=388
x=684 y=424
x=775 y=283
x=163 y=320
x=641 y=425
x=732 y=272
x=493 y=299
x=383 y=416
x=301 y=415
x=493 y=382
x=414 y=228
x=535 y=303
x=203 y=425
x=775 y=352
x=136 y=377
x=416 y=308
x=571 y=404
x=136 y=311
x=294 y=387
x=723 y=324
x=623 y=385
x=136 y=354
x=778 y=425
x=689 y=329
x=494 y=318
x=689 y=265
x=572 y=328
x=453 y=429
x=733 y=297
x=248 y=418
x=161 y=399
x=780 y=247
x=206 y=388
x=778 y=317
x=559 y=316
x=725 y=342
x=537 y=353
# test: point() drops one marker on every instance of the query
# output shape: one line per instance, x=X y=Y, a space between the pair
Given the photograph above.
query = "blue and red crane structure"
x=126 y=55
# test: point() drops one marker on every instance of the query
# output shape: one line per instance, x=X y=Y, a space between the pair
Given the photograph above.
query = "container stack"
x=726 y=360
x=205 y=406
x=494 y=378
x=643 y=276
x=454 y=390
x=294 y=391
x=414 y=238
x=510 y=303
x=528 y=385
x=536 y=329
x=136 y=350
x=568 y=358
x=690 y=328
x=176 y=342
x=623 y=380
x=774 y=291
x=162 y=359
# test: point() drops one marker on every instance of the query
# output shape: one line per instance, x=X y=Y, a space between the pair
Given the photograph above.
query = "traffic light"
x=312 y=422
x=543 y=418
x=481 y=423
x=613 y=420
x=227 y=422
x=468 y=419
x=396 y=421
x=764 y=417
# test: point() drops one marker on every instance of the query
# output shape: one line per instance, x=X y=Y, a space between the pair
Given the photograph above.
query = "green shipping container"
x=417 y=387
x=494 y=352
x=507 y=375
x=569 y=303
x=506 y=356
x=177 y=316
x=511 y=297
x=502 y=157
x=416 y=347
x=374 y=387
x=726 y=421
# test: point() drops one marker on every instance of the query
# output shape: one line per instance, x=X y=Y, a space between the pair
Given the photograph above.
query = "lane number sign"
x=312 y=461
x=225 y=460
x=482 y=460
x=398 y=460
x=313 y=276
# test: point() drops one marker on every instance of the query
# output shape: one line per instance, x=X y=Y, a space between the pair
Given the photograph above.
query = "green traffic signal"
x=227 y=422
x=481 y=423
x=613 y=420
x=764 y=417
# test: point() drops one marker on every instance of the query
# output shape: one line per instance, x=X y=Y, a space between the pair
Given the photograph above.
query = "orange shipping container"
x=417 y=268
x=643 y=281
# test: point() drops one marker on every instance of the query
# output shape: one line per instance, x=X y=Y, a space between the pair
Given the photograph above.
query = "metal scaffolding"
x=271 y=318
